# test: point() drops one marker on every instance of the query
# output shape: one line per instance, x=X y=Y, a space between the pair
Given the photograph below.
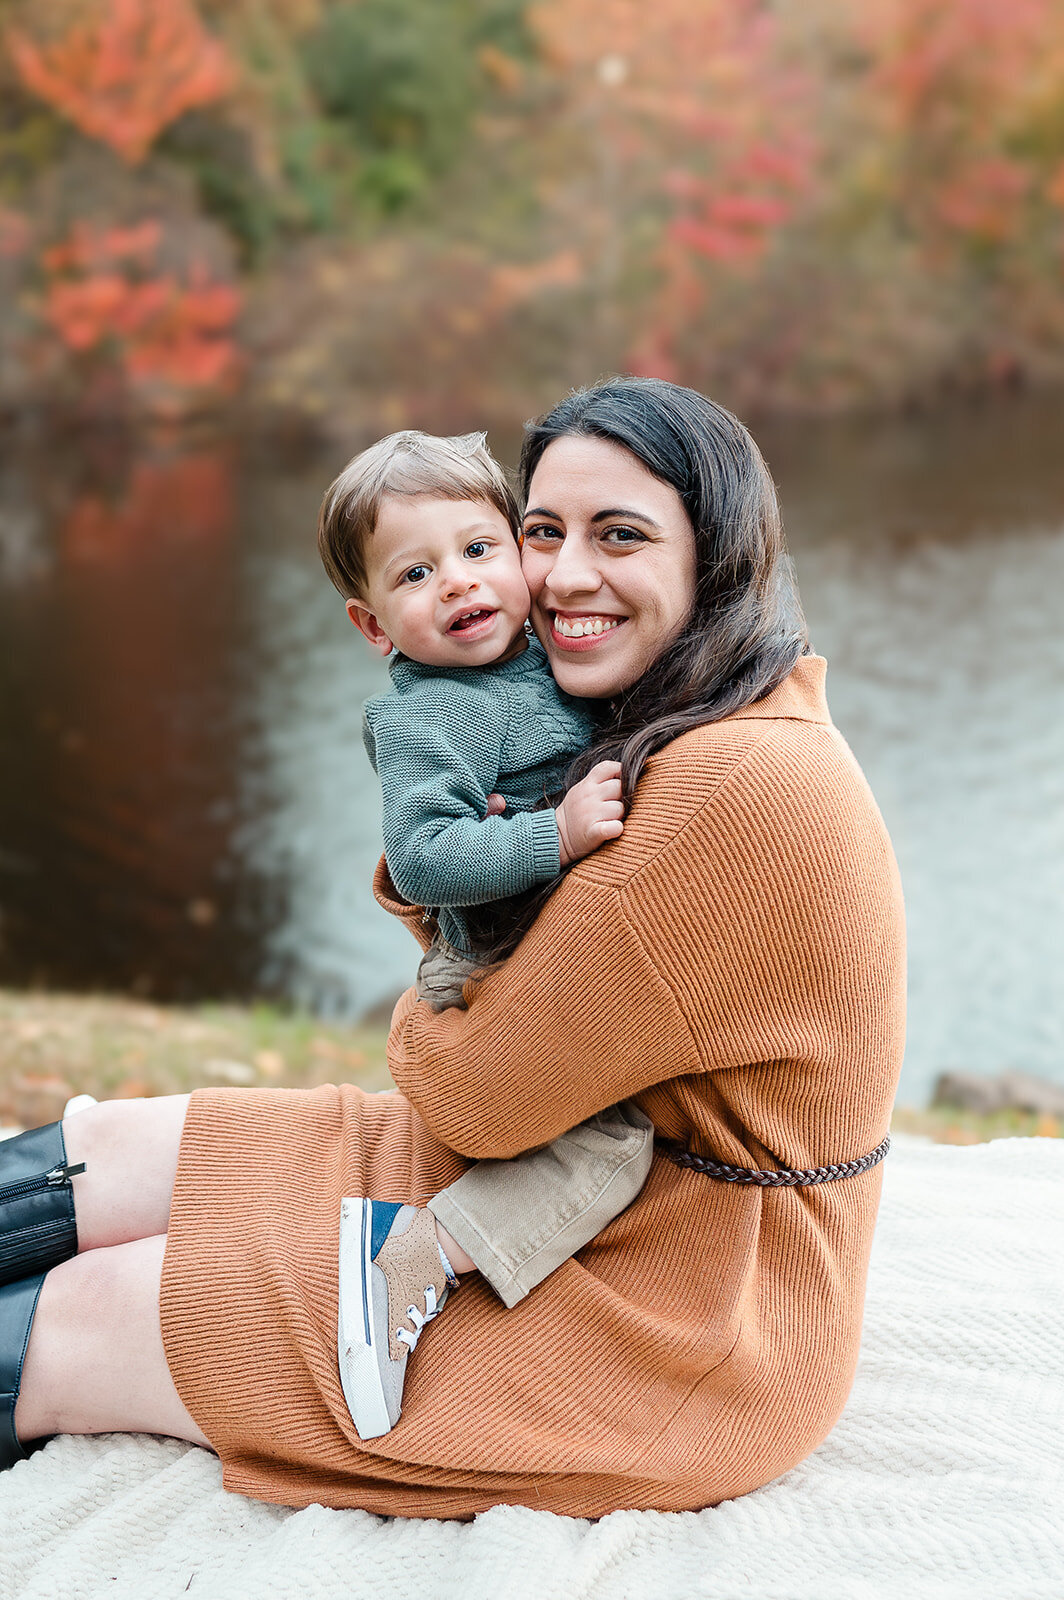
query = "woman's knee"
x=130 y=1150
x=119 y=1128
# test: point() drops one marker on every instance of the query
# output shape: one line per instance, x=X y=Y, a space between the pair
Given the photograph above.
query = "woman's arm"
x=757 y=923
x=576 y=1019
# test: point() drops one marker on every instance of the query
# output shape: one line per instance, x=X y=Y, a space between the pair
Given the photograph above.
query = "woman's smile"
x=609 y=558
x=582 y=631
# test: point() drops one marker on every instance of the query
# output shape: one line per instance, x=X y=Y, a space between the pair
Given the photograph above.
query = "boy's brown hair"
x=406 y=463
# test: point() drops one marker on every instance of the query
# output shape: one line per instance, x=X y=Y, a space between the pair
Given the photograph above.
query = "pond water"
x=186 y=810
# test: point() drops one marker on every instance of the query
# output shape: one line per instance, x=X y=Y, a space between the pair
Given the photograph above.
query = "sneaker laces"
x=432 y=1309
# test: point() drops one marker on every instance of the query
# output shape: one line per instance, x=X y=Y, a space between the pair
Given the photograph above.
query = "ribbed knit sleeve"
x=748 y=916
x=438 y=755
x=539 y=1049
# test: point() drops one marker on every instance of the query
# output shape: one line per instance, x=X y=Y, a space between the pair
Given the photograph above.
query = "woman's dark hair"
x=745 y=630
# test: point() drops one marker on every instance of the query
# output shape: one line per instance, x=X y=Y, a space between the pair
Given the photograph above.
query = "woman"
x=734 y=963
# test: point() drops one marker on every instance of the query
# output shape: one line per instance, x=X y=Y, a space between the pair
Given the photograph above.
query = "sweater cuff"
x=387 y=895
x=546 y=845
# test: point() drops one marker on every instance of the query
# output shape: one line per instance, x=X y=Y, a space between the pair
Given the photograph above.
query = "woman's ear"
x=367 y=624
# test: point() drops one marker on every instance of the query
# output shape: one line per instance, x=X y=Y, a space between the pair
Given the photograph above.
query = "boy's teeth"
x=579 y=627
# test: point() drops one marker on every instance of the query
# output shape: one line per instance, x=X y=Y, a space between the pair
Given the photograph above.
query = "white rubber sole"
x=79 y=1102
x=359 y=1353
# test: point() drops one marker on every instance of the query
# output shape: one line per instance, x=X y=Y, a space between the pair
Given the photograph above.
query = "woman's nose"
x=574 y=570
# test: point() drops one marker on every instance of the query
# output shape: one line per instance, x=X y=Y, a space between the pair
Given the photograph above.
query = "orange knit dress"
x=736 y=964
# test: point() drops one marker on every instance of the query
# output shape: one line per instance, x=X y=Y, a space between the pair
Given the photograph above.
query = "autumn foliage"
x=107 y=303
x=707 y=89
x=844 y=196
x=123 y=71
x=127 y=71
x=807 y=203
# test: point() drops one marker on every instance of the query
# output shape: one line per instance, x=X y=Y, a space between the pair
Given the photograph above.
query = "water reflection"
x=312 y=800
x=121 y=765
x=932 y=580
x=184 y=803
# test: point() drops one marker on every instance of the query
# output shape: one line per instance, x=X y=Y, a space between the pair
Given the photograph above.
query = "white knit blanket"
x=944 y=1477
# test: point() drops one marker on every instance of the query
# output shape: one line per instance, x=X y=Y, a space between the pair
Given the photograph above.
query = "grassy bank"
x=53 y=1046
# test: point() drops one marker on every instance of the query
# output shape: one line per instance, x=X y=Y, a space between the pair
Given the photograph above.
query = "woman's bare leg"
x=129 y=1148
x=95 y=1362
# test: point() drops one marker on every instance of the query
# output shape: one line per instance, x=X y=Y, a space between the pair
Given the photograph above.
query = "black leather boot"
x=37 y=1227
x=18 y=1303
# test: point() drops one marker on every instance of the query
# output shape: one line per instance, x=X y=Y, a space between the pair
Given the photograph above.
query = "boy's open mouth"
x=469 y=620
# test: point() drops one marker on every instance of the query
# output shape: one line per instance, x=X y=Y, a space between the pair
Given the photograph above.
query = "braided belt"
x=786 y=1177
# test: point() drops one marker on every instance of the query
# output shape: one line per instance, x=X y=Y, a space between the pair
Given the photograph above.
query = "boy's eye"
x=414 y=574
x=479 y=547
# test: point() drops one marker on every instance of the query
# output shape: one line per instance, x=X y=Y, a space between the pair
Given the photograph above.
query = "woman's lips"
x=583 y=630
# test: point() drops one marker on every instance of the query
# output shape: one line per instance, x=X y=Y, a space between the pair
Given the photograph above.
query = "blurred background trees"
x=400 y=209
x=262 y=232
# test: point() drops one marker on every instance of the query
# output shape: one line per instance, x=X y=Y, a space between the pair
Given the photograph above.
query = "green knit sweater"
x=441 y=742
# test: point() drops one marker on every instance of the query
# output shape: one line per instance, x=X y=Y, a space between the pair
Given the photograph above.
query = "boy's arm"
x=438 y=758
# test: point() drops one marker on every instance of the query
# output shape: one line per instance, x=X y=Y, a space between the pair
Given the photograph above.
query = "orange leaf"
x=129 y=71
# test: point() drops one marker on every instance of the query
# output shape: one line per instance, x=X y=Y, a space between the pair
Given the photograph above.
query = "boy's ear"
x=367 y=624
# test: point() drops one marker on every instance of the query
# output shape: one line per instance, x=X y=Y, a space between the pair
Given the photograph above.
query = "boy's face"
x=444 y=583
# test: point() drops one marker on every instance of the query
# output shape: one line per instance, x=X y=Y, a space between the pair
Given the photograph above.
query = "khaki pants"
x=518 y=1220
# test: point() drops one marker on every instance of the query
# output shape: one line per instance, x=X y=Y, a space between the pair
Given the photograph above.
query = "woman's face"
x=609 y=559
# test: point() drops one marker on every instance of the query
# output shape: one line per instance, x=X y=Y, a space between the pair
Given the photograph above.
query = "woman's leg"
x=129 y=1148
x=81 y=1341
x=95 y=1360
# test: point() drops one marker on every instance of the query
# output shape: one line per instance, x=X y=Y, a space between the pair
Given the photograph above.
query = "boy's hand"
x=591 y=812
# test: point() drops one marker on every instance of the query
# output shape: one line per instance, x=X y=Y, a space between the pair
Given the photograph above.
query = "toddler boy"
x=420 y=536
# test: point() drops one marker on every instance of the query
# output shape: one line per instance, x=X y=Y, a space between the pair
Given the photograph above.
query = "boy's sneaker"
x=392 y=1281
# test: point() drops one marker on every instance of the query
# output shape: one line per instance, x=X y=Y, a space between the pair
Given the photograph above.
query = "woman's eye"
x=479 y=547
x=543 y=532
x=414 y=574
x=625 y=536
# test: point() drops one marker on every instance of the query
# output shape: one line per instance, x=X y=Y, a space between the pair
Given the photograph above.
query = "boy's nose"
x=455 y=582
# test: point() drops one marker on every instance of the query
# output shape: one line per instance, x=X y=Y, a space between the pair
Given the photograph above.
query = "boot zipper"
x=58 y=1178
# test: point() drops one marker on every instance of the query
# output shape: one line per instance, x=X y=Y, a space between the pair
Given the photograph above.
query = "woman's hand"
x=591 y=812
